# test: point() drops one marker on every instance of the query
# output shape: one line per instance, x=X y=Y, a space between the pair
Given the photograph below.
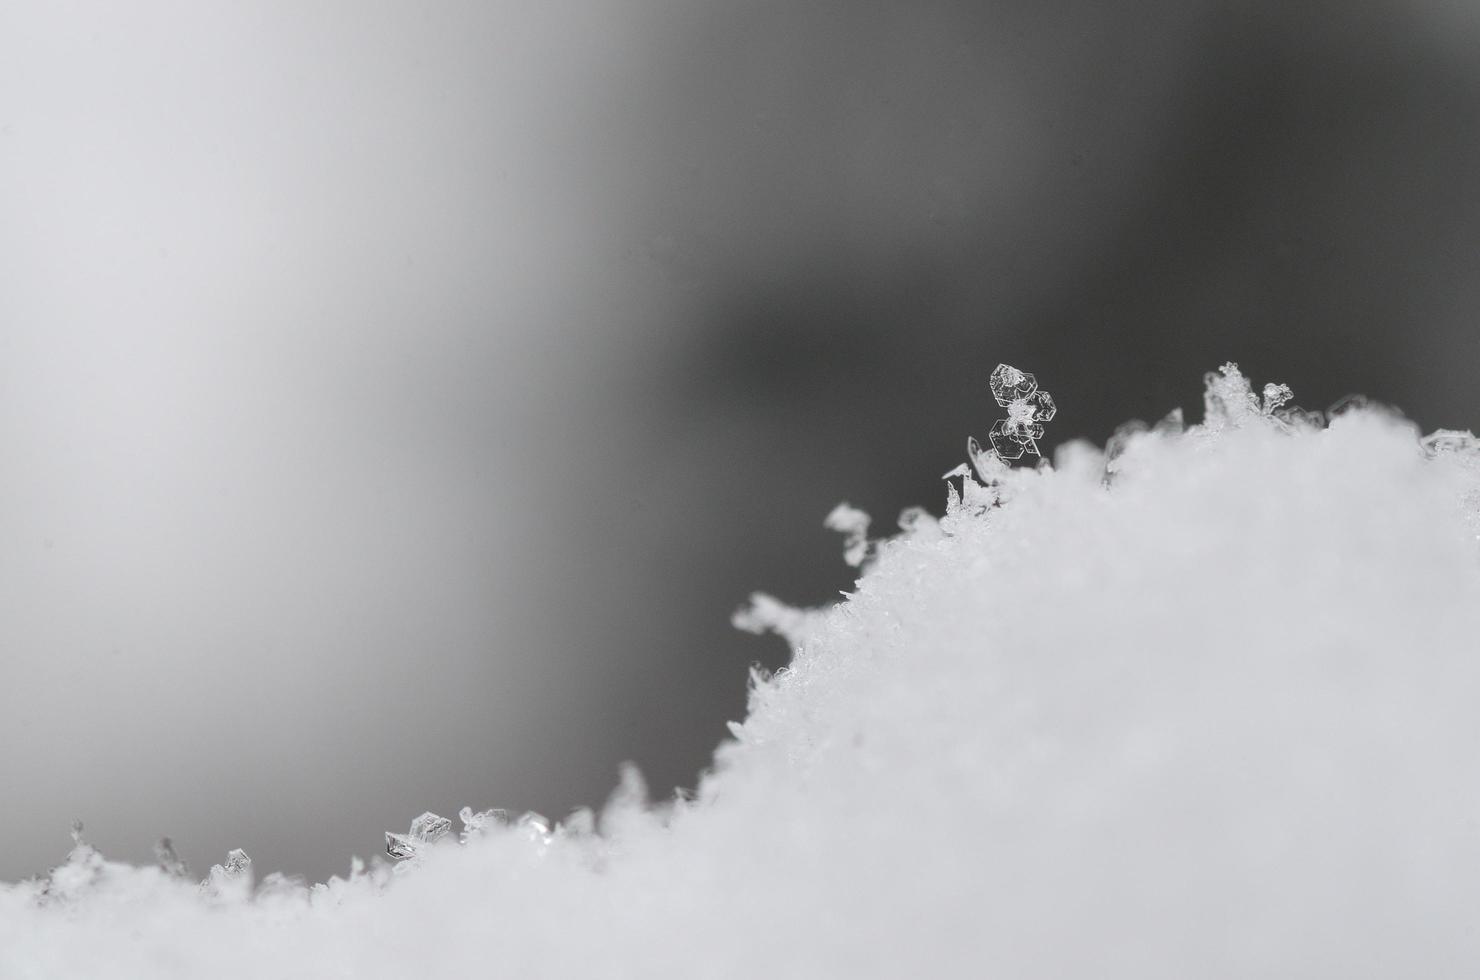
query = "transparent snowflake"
x=425 y=829
x=1027 y=409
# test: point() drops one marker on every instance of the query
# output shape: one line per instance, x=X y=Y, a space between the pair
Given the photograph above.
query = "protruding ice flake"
x=429 y=827
x=1440 y=441
x=1171 y=424
x=767 y=614
x=917 y=520
x=399 y=846
x=1276 y=396
x=1349 y=403
x=1301 y=418
x=1361 y=403
x=1010 y=385
x=480 y=822
x=580 y=823
x=535 y=827
x=962 y=469
x=988 y=465
x=170 y=862
x=425 y=830
x=1116 y=445
x=852 y=523
x=237 y=862
x=234 y=878
x=1230 y=402
x=1227 y=398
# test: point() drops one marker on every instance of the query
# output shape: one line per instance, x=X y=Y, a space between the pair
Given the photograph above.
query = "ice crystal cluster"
x=1028 y=407
x=1199 y=704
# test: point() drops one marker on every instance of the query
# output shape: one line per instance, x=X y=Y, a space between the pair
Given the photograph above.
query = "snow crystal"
x=853 y=524
x=476 y=823
x=1275 y=397
x=988 y=466
x=1028 y=408
x=430 y=828
x=237 y=863
x=1171 y=424
x=767 y=614
x=170 y=862
x=1213 y=719
x=1009 y=384
x=426 y=830
x=1450 y=441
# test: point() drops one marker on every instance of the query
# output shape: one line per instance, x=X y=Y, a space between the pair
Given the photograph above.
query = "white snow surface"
x=1217 y=718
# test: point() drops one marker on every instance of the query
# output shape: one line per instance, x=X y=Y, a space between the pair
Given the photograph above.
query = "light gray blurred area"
x=397 y=398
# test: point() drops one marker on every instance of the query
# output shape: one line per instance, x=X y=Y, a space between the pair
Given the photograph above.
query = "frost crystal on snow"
x=852 y=523
x=1276 y=396
x=170 y=862
x=1227 y=398
x=1350 y=403
x=1171 y=424
x=237 y=862
x=535 y=827
x=1450 y=441
x=478 y=822
x=1116 y=445
x=429 y=827
x=1230 y=402
x=1027 y=409
x=1010 y=385
x=425 y=829
x=232 y=880
x=988 y=465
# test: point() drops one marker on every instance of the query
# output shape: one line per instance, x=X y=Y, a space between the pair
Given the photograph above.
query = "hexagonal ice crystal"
x=237 y=861
x=429 y=827
x=1043 y=407
x=1008 y=444
x=425 y=829
x=1009 y=384
x=1027 y=410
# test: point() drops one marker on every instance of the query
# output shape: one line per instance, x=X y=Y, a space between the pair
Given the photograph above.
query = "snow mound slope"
x=1204 y=709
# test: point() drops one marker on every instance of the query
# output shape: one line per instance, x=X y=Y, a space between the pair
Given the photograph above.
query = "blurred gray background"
x=397 y=398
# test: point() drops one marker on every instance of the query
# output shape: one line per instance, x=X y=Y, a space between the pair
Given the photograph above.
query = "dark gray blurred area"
x=399 y=398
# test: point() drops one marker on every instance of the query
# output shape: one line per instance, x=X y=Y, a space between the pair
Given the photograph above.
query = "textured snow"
x=1205 y=712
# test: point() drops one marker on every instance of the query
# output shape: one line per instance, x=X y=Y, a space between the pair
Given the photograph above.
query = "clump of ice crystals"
x=425 y=830
x=170 y=862
x=1213 y=719
x=480 y=821
x=238 y=866
x=1028 y=407
x=231 y=881
x=1460 y=441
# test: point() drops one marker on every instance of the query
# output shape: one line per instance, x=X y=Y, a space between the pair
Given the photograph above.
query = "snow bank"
x=1208 y=710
